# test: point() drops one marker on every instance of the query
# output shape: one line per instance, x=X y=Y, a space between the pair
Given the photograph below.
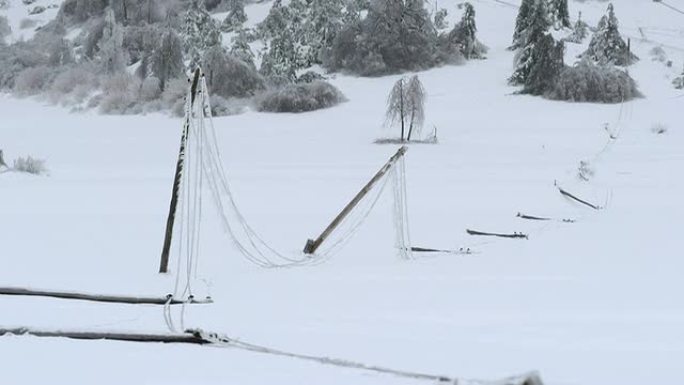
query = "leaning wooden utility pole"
x=166 y=249
x=312 y=245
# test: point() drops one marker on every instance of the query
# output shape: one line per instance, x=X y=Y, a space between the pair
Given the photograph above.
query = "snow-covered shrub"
x=4 y=4
x=300 y=98
x=27 y=23
x=29 y=165
x=585 y=171
x=309 y=77
x=659 y=128
x=150 y=89
x=225 y=107
x=174 y=95
x=37 y=9
x=33 y=80
x=658 y=54
x=120 y=94
x=589 y=82
x=5 y=29
x=16 y=58
x=229 y=76
x=74 y=83
x=678 y=82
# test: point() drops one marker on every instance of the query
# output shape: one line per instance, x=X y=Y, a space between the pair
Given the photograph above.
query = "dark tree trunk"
x=401 y=99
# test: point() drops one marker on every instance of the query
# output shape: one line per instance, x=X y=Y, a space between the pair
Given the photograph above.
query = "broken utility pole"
x=312 y=245
x=168 y=300
x=164 y=265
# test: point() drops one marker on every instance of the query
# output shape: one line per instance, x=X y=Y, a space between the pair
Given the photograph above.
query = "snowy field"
x=594 y=302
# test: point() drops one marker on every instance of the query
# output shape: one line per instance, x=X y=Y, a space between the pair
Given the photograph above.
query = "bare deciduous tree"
x=406 y=106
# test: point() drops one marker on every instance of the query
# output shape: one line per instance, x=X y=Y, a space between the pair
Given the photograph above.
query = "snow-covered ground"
x=594 y=302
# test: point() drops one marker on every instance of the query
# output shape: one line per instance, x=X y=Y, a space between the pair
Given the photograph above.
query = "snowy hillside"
x=593 y=302
x=25 y=17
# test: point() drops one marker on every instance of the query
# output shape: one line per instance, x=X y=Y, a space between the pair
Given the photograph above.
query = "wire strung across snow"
x=204 y=158
x=199 y=337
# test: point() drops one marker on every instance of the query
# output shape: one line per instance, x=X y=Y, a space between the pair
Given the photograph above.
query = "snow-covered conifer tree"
x=323 y=23
x=522 y=22
x=111 y=53
x=285 y=48
x=200 y=32
x=167 y=61
x=236 y=16
x=545 y=65
x=440 y=19
x=241 y=49
x=607 y=46
x=579 y=31
x=559 y=14
x=538 y=25
x=463 y=35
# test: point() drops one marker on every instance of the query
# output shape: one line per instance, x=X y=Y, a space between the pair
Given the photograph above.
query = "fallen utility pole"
x=313 y=245
x=168 y=300
x=568 y=195
x=533 y=218
x=184 y=338
x=180 y=165
x=514 y=235
x=198 y=337
x=462 y=251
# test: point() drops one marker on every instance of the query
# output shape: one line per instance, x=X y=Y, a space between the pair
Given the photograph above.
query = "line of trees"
x=539 y=65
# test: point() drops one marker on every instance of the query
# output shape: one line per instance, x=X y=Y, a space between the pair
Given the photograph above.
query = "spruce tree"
x=111 y=53
x=236 y=16
x=324 y=22
x=607 y=46
x=538 y=25
x=241 y=49
x=167 y=61
x=558 y=11
x=522 y=22
x=463 y=35
x=546 y=65
x=284 y=53
x=579 y=31
x=200 y=32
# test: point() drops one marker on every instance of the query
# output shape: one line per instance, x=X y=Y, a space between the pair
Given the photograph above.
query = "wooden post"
x=2 y=159
x=164 y=265
x=312 y=245
x=169 y=300
x=192 y=337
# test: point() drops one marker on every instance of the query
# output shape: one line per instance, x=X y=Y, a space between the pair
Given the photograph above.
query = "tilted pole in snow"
x=312 y=245
x=164 y=265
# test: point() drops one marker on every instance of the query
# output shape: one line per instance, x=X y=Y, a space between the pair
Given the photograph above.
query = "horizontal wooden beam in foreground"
x=101 y=298
x=485 y=234
x=185 y=338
